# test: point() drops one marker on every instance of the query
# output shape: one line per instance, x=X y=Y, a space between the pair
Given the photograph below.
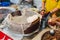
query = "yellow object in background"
x=51 y=4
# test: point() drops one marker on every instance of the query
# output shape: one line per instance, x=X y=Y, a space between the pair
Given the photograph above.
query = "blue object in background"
x=5 y=3
x=0 y=3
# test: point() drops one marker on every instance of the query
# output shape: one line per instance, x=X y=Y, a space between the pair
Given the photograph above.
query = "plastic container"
x=22 y=26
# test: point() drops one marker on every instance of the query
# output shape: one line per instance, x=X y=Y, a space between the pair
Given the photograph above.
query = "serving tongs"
x=44 y=21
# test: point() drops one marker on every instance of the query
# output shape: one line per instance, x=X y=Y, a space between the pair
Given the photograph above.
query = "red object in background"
x=4 y=36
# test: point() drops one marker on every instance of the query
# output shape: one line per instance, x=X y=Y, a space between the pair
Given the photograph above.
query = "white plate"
x=10 y=8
